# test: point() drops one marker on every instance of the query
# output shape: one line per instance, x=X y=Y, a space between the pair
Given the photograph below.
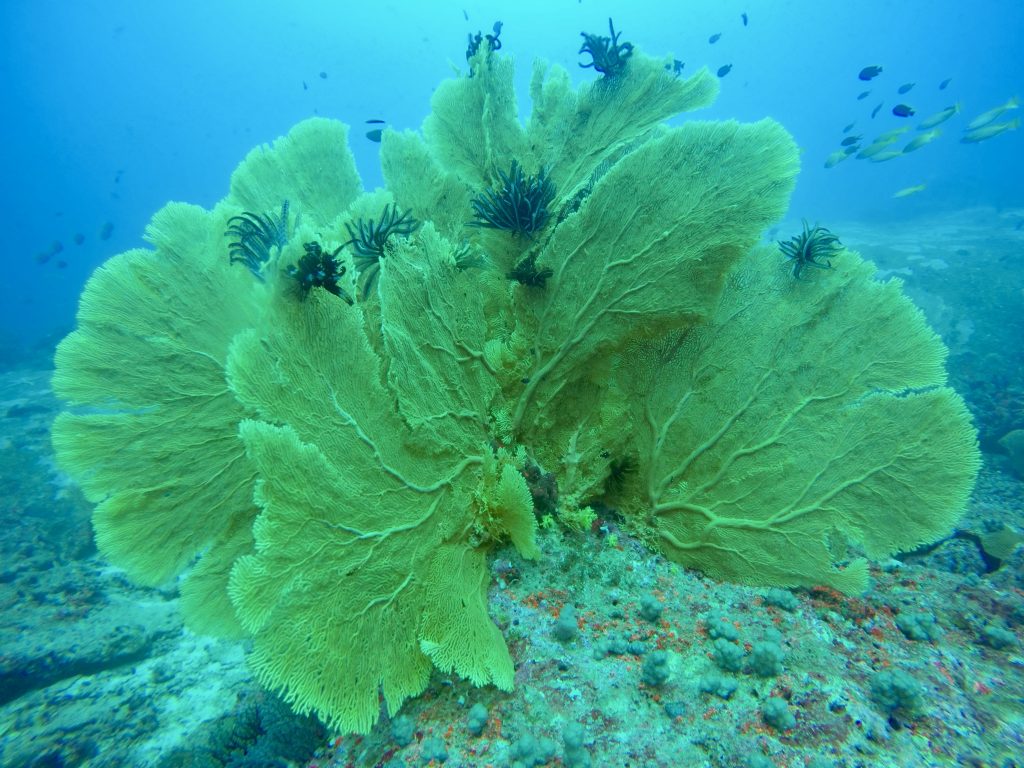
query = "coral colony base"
x=327 y=419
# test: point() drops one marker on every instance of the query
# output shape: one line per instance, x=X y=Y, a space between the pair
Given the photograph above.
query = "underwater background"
x=115 y=108
x=112 y=109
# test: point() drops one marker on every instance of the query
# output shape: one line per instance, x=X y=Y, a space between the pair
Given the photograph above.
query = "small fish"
x=875 y=110
x=724 y=70
x=744 y=17
x=893 y=135
x=902 y=110
x=908 y=191
x=61 y=264
x=42 y=258
x=323 y=75
x=920 y=140
x=465 y=15
x=304 y=86
x=988 y=131
x=882 y=157
x=375 y=120
x=944 y=83
x=852 y=149
x=106 y=230
x=79 y=238
x=714 y=38
x=835 y=158
x=676 y=66
x=869 y=72
x=849 y=128
x=375 y=134
x=863 y=95
x=987 y=117
x=905 y=88
x=939 y=117
x=56 y=247
x=850 y=140
x=876 y=148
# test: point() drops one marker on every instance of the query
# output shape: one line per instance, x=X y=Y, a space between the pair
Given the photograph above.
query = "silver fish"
x=939 y=117
x=987 y=117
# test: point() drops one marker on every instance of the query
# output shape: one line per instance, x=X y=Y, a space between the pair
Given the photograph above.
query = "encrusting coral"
x=331 y=475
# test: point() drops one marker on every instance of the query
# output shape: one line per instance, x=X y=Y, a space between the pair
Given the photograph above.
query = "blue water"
x=111 y=109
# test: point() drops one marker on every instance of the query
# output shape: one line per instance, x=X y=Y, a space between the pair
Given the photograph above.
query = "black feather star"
x=369 y=241
x=318 y=268
x=255 y=235
x=811 y=248
x=608 y=56
x=519 y=205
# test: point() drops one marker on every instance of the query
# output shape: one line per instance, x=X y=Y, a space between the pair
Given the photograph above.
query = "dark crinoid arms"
x=255 y=234
x=527 y=273
x=519 y=205
x=493 y=42
x=608 y=55
x=369 y=240
x=811 y=248
x=319 y=268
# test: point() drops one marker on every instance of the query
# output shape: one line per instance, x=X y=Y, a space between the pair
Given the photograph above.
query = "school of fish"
x=985 y=126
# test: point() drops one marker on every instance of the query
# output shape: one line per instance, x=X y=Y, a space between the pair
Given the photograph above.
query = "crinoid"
x=519 y=205
x=608 y=56
x=526 y=272
x=369 y=241
x=319 y=268
x=811 y=248
x=255 y=235
x=493 y=42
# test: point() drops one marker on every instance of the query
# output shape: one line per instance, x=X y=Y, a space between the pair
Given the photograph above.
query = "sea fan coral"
x=334 y=478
